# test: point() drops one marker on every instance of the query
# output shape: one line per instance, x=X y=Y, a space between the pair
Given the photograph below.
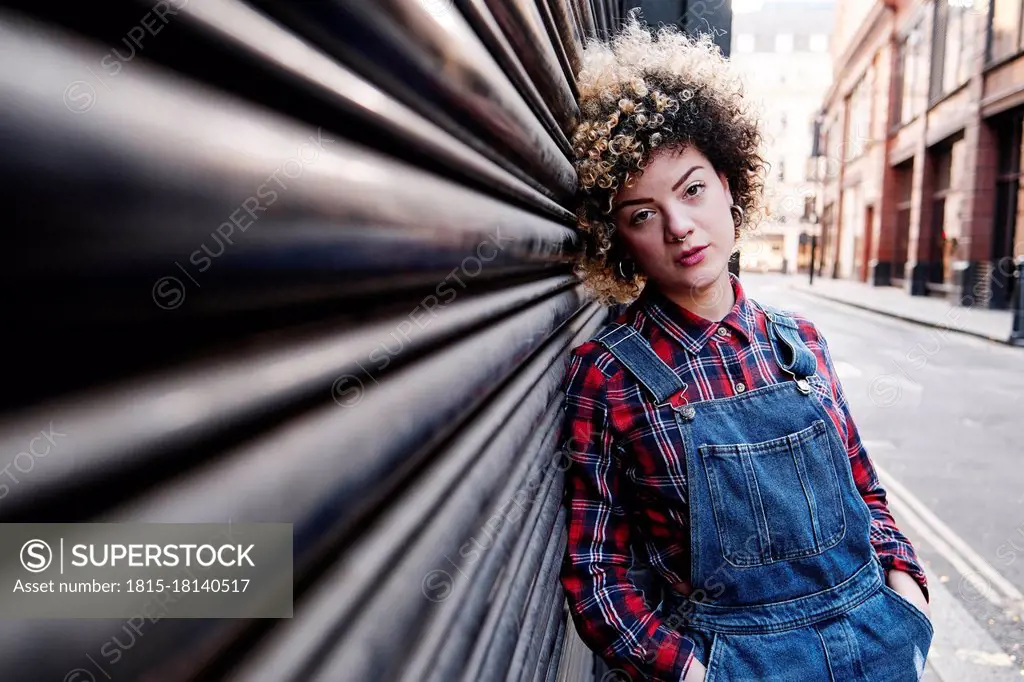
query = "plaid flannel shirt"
x=606 y=427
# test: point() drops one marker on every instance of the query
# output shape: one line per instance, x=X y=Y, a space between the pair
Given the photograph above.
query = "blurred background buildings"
x=783 y=48
x=912 y=179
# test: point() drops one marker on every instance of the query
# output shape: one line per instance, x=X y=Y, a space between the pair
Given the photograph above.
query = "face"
x=676 y=224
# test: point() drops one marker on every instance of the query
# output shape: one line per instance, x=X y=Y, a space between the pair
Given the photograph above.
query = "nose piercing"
x=676 y=240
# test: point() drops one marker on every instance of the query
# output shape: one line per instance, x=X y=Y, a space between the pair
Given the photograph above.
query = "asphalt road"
x=943 y=414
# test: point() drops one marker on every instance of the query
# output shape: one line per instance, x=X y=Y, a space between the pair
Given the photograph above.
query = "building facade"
x=783 y=50
x=918 y=150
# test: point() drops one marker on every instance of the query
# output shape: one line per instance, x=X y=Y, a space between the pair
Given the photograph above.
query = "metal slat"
x=432 y=137
x=551 y=673
x=578 y=663
x=601 y=7
x=268 y=42
x=435 y=63
x=599 y=19
x=323 y=497
x=151 y=127
x=524 y=28
x=329 y=611
x=138 y=424
x=164 y=266
x=229 y=45
x=614 y=14
x=400 y=610
x=490 y=32
x=555 y=39
x=455 y=625
x=540 y=649
x=441 y=652
x=561 y=21
x=585 y=11
x=535 y=617
x=578 y=28
x=511 y=592
x=513 y=630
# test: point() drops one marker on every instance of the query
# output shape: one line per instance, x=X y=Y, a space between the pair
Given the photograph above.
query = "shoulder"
x=808 y=331
x=595 y=354
x=805 y=327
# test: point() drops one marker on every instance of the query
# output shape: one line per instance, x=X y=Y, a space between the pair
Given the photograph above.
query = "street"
x=940 y=414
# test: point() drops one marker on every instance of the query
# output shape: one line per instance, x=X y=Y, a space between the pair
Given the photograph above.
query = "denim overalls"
x=786 y=585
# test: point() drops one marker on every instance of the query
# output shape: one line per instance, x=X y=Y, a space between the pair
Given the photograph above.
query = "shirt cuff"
x=686 y=665
x=673 y=658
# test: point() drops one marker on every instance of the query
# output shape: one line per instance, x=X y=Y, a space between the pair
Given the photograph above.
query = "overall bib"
x=786 y=584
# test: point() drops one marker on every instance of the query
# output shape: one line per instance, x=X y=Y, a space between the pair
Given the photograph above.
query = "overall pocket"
x=909 y=606
x=776 y=500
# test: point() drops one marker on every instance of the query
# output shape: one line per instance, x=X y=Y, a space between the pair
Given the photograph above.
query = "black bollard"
x=1017 y=335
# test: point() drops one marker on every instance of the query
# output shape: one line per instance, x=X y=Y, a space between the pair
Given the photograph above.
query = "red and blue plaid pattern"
x=612 y=435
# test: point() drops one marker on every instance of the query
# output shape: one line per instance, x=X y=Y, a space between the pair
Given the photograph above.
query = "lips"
x=692 y=256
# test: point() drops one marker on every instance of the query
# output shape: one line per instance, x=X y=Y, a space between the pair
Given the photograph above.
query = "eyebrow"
x=644 y=200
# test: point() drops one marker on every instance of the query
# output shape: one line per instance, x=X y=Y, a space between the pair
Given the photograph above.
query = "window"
x=809 y=215
x=911 y=76
x=954 y=46
x=819 y=42
x=744 y=42
x=899 y=78
x=955 y=62
x=1005 y=29
x=763 y=42
x=784 y=42
x=858 y=133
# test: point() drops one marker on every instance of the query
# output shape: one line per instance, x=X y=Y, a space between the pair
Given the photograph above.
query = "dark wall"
x=693 y=16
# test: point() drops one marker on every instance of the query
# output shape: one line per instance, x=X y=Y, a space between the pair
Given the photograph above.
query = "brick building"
x=782 y=49
x=919 y=148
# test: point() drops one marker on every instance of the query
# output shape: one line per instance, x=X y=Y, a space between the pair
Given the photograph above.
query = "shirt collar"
x=692 y=330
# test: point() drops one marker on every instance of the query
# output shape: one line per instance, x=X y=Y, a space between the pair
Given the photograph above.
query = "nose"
x=678 y=226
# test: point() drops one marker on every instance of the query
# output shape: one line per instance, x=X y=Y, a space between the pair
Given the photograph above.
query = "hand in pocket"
x=696 y=673
x=903 y=584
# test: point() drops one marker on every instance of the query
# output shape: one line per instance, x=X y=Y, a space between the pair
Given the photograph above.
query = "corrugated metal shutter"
x=303 y=262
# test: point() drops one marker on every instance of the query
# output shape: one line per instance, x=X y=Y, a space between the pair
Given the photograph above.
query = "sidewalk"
x=994 y=325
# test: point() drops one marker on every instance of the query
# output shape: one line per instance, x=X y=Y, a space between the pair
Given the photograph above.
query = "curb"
x=905 y=318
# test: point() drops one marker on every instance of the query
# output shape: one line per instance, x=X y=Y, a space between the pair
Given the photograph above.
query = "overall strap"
x=633 y=351
x=789 y=349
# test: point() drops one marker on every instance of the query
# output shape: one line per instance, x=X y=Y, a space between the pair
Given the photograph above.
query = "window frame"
x=1017 y=44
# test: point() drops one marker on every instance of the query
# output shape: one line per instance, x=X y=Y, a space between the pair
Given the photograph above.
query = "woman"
x=708 y=434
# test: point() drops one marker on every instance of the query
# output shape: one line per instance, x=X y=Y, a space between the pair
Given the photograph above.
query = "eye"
x=694 y=190
x=640 y=216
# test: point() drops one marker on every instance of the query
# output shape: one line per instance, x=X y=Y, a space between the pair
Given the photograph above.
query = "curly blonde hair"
x=643 y=91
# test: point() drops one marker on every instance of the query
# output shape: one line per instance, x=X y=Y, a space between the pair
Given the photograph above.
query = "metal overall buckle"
x=682 y=407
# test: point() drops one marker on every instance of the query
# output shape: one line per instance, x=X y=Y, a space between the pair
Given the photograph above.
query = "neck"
x=712 y=302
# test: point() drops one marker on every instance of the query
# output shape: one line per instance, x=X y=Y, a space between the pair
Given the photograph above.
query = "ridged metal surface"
x=375 y=358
